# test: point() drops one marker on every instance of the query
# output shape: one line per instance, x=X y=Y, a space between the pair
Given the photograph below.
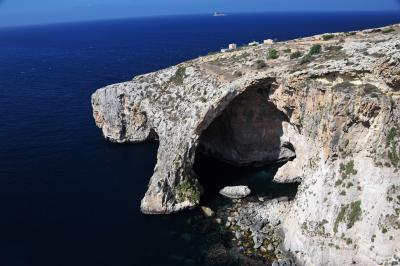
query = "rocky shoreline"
x=254 y=225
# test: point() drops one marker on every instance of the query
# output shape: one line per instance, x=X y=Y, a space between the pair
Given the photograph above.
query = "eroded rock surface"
x=337 y=112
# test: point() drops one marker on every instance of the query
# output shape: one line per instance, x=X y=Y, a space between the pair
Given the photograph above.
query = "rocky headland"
x=328 y=105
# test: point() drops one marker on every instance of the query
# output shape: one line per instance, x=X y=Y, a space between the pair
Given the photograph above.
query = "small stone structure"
x=232 y=46
x=268 y=41
x=254 y=43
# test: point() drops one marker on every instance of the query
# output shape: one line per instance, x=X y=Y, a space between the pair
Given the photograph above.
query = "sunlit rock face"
x=249 y=131
x=337 y=111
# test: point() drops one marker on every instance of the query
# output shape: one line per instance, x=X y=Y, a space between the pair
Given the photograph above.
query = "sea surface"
x=68 y=197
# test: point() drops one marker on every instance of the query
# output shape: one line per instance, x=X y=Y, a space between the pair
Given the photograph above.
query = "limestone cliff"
x=330 y=103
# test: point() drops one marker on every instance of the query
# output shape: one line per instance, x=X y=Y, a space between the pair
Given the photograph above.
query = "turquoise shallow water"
x=67 y=197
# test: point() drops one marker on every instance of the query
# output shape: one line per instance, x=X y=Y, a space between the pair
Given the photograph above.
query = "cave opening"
x=244 y=145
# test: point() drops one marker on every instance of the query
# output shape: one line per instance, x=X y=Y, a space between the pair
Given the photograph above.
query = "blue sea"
x=68 y=197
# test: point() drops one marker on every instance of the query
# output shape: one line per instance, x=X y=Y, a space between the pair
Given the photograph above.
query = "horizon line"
x=187 y=15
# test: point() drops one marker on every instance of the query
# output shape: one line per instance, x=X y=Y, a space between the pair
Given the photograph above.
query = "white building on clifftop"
x=232 y=46
x=268 y=41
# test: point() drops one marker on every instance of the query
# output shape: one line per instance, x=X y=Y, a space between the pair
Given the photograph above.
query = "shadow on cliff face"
x=244 y=146
x=248 y=132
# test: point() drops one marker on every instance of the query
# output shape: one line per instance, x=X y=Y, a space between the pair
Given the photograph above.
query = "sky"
x=27 y=12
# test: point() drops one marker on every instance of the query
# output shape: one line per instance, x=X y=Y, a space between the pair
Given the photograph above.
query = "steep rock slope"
x=336 y=108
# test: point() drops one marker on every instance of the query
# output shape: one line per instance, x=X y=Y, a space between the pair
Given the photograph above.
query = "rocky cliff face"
x=334 y=111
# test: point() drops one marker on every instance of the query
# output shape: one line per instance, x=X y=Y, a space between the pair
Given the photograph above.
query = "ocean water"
x=68 y=197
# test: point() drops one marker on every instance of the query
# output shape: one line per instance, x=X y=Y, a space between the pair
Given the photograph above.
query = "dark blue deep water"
x=67 y=197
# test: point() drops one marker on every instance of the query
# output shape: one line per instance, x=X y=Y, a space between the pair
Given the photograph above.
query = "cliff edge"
x=327 y=104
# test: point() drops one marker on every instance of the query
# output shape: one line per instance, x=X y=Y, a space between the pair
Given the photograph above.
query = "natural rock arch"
x=267 y=139
x=249 y=131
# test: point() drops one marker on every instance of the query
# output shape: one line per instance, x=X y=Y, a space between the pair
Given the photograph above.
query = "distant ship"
x=219 y=14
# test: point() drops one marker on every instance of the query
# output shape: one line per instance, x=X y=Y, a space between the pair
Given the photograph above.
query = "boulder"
x=207 y=211
x=235 y=192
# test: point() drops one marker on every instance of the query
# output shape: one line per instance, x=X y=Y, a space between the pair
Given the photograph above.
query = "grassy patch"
x=315 y=49
x=387 y=30
x=288 y=50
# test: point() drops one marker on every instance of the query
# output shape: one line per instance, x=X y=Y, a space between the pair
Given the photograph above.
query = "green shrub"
x=315 y=49
x=295 y=55
x=393 y=153
x=354 y=214
x=306 y=59
x=349 y=214
x=391 y=135
x=326 y=37
x=348 y=169
x=273 y=54
x=338 y=183
x=288 y=50
x=393 y=156
x=387 y=30
x=341 y=216
x=179 y=76
x=188 y=190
